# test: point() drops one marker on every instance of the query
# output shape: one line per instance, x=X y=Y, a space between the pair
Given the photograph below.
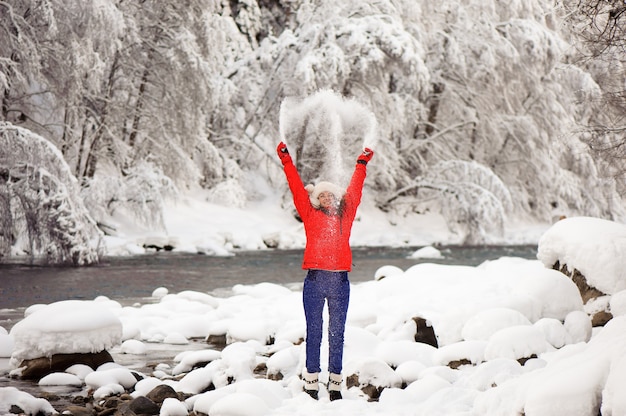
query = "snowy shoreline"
x=194 y=225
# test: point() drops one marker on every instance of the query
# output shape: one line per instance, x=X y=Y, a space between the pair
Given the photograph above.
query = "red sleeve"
x=355 y=189
x=300 y=195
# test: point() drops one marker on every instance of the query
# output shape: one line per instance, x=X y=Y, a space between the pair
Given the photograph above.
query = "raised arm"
x=300 y=195
x=355 y=188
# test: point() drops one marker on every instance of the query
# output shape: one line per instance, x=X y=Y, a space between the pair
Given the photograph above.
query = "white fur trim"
x=323 y=187
x=334 y=382
x=311 y=380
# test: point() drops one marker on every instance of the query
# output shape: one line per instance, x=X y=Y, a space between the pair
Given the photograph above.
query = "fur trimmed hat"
x=315 y=191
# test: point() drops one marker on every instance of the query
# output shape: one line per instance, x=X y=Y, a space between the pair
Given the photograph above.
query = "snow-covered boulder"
x=589 y=251
x=461 y=353
x=54 y=337
x=372 y=376
x=428 y=252
x=388 y=270
x=519 y=342
x=486 y=323
x=593 y=246
x=10 y=397
x=425 y=333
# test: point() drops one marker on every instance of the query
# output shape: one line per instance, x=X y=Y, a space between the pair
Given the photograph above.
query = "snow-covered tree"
x=471 y=82
x=23 y=24
x=598 y=30
x=474 y=201
x=41 y=210
x=157 y=96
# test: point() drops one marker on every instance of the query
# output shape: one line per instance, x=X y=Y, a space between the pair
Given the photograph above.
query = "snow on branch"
x=42 y=213
x=473 y=199
x=139 y=194
x=362 y=51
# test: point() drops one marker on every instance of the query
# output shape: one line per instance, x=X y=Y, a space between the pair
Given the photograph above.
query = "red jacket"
x=327 y=235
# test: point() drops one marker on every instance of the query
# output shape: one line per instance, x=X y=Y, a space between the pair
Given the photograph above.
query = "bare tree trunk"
x=6 y=95
x=5 y=106
x=433 y=108
x=6 y=219
x=100 y=123
x=92 y=154
x=132 y=139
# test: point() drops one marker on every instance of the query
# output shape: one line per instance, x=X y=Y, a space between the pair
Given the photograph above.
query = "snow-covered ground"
x=490 y=315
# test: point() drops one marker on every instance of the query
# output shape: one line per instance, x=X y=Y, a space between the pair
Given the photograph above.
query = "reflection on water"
x=129 y=278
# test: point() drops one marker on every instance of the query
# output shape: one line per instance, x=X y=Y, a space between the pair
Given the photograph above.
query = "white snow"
x=196 y=225
x=65 y=327
x=173 y=407
x=10 y=396
x=490 y=315
x=133 y=346
x=593 y=246
x=61 y=379
x=428 y=252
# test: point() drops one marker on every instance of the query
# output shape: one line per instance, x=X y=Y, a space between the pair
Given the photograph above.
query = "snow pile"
x=516 y=347
x=6 y=343
x=593 y=246
x=428 y=252
x=10 y=396
x=65 y=327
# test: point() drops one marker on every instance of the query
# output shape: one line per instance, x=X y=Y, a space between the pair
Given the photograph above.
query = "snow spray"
x=334 y=125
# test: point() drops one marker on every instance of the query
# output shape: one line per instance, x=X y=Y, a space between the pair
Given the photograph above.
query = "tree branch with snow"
x=472 y=198
x=42 y=212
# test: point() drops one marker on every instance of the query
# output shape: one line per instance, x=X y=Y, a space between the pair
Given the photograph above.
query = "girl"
x=327 y=213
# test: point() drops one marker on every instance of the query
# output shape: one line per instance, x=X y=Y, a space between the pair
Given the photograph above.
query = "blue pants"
x=321 y=286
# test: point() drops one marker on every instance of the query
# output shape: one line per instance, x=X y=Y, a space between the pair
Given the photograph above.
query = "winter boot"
x=311 y=384
x=334 y=386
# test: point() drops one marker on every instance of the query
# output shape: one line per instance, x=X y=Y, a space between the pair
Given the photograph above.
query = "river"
x=127 y=279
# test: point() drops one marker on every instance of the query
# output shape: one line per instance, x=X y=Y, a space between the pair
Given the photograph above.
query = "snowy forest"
x=483 y=110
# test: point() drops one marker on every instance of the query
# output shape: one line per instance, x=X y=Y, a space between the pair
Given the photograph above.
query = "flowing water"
x=127 y=279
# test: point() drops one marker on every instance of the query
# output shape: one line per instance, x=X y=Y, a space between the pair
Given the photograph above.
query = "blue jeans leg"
x=313 y=300
x=338 y=299
x=321 y=286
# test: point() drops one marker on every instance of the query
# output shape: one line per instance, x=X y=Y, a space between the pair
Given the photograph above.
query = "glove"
x=365 y=157
x=283 y=153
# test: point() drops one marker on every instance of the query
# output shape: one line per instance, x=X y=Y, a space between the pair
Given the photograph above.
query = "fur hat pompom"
x=315 y=191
